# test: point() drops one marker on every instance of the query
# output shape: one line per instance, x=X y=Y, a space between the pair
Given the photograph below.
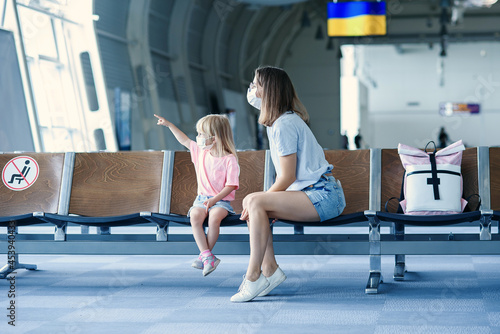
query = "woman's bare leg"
x=292 y=205
x=269 y=264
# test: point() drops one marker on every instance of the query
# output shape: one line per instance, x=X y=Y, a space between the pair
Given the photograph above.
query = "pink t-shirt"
x=214 y=173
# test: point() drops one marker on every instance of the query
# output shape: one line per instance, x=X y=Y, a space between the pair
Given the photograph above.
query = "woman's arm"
x=179 y=135
x=288 y=165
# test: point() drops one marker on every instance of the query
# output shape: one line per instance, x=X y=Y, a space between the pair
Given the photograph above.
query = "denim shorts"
x=198 y=203
x=327 y=197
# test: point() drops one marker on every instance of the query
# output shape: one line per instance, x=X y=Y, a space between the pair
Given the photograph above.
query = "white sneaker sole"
x=238 y=298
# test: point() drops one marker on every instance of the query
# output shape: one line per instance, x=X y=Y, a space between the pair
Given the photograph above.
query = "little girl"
x=217 y=171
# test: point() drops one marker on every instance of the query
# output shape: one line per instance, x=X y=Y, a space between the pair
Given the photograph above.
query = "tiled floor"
x=323 y=294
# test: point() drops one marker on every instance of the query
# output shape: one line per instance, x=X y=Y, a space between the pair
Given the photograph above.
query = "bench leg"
x=104 y=230
x=373 y=284
x=399 y=267
x=485 y=227
x=298 y=229
x=375 y=277
x=161 y=228
x=13 y=265
x=162 y=232
x=398 y=230
x=84 y=229
x=60 y=233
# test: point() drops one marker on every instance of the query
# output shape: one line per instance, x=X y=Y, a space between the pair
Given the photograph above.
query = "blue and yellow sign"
x=356 y=18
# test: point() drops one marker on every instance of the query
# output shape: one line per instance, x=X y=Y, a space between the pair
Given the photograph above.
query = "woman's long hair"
x=218 y=126
x=278 y=95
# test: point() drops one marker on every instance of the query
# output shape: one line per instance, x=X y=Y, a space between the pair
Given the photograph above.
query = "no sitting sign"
x=20 y=173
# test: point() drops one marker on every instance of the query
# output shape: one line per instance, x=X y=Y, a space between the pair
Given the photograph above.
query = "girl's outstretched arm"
x=179 y=135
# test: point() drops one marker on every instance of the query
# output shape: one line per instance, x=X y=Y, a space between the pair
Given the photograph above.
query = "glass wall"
x=60 y=83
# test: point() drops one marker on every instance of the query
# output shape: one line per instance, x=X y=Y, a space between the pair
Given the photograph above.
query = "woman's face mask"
x=201 y=141
x=252 y=98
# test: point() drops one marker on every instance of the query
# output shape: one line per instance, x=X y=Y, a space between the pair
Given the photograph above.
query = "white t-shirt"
x=289 y=134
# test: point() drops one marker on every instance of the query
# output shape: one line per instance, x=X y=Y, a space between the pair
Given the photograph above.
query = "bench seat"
x=434 y=220
x=349 y=218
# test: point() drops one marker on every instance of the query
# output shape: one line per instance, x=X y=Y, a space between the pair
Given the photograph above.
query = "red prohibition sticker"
x=20 y=173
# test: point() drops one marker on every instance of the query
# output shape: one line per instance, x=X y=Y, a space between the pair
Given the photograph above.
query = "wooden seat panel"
x=495 y=177
x=113 y=184
x=43 y=195
x=352 y=168
x=184 y=184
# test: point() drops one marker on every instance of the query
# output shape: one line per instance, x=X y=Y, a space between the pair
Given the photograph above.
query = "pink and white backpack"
x=433 y=181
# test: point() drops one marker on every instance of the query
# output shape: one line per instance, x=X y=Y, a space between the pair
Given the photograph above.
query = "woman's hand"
x=162 y=121
x=244 y=214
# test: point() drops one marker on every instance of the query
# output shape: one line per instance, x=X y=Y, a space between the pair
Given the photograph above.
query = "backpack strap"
x=433 y=180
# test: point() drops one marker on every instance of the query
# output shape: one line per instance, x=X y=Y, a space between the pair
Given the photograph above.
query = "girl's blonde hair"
x=278 y=95
x=218 y=126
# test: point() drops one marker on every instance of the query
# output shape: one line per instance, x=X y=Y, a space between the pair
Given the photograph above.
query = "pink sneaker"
x=197 y=264
x=209 y=264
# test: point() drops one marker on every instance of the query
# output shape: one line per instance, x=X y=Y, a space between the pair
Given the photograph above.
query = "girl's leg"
x=197 y=217
x=214 y=218
x=293 y=205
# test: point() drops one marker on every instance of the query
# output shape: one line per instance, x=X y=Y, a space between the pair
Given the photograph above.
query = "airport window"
x=89 y=81
x=3 y=8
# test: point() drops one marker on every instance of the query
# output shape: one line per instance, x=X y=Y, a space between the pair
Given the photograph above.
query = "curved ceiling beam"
x=288 y=40
x=140 y=58
x=210 y=46
x=178 y=38
x=276 y=36
x=236 y=51
x=246 y=55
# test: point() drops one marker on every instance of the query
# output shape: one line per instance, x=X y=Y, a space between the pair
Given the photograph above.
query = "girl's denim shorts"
x=327 y=197
x=198 y=203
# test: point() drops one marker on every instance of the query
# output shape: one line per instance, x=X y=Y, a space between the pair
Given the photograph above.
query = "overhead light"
x=270 y=2
x=481 y=3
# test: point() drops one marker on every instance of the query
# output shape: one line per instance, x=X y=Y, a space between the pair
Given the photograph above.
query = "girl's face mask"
x=201 y=141
x=252 y=98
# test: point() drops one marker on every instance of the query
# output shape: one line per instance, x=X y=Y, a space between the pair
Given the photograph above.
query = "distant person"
x=214 y=158
x=345 y=141
x=358 y=140
x=443 y=138
x=304 y=190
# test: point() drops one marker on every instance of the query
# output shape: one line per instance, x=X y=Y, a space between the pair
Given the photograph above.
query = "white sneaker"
x=274 y=280
x=249 y=290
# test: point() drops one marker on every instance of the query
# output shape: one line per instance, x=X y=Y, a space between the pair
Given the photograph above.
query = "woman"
x=304 y=189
